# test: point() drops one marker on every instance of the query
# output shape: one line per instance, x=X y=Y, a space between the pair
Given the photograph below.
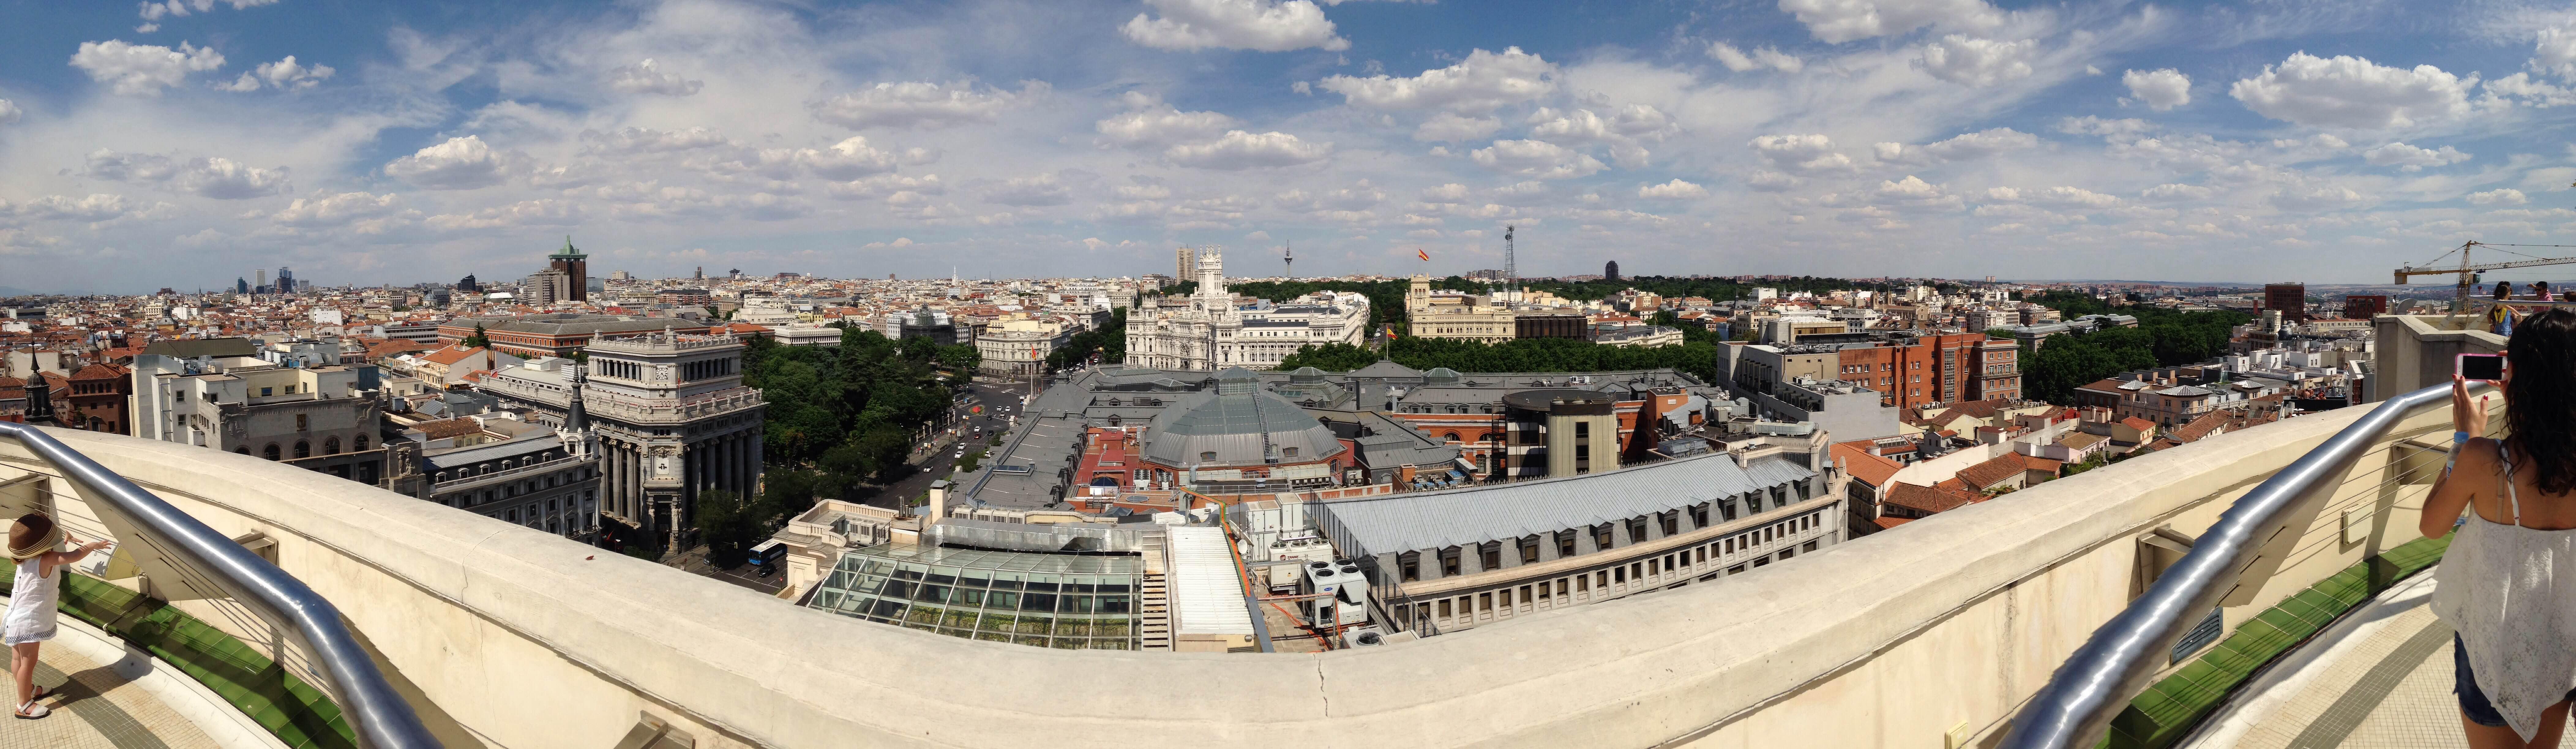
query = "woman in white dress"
x=29 y=622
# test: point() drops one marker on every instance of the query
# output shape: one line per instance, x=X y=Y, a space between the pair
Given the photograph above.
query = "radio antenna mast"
x=1291 y=259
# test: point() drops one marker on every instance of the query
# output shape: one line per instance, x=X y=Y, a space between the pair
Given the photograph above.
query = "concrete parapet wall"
x=514 y=637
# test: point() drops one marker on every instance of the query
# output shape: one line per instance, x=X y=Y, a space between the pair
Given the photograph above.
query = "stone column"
x=749 y=472
x=754 y=454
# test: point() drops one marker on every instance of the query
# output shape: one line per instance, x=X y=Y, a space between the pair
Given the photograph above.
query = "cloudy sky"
x=184 y=143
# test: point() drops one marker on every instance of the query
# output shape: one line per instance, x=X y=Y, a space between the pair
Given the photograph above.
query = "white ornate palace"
x=1213 y=331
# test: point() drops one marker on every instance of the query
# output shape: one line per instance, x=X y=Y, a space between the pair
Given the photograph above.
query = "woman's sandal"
x=33 y=711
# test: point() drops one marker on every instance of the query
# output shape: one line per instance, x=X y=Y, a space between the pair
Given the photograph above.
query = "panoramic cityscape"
x=677 y=373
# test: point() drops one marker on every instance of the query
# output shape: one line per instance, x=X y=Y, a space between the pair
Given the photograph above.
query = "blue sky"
x=177 y=144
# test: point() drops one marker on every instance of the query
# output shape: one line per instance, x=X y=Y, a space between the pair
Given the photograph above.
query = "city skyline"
x=183 y=143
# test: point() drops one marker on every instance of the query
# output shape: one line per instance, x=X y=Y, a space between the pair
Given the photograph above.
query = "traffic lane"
x=748 y=576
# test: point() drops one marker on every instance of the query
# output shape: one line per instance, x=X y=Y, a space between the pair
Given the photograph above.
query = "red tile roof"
x=1927 y=499
x=446 y=428
x=2139 y=424
x=1873 y=470
x=1987 y=475
x=451 y=354
x=2036 y=463
x=2200 y=428
x=1885 y=523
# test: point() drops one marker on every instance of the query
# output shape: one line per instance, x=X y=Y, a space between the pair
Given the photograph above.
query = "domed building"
x=1240 y=437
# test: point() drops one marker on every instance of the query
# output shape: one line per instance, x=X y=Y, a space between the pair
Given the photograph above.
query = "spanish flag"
x=1426 y=257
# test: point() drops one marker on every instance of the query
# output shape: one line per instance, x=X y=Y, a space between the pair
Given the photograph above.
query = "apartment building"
x=324 y=419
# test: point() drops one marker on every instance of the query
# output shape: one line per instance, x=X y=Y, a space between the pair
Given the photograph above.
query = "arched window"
x=303 y=449
x=244 y=449
x=1452 y=436
x=362 y=443
x=330 y=445
x=269 y=452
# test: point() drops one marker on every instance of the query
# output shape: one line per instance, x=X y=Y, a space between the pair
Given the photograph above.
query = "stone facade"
x=1213 y=331
x=672 y=417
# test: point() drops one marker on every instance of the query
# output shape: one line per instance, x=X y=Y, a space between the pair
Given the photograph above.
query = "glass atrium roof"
x=1045 y=600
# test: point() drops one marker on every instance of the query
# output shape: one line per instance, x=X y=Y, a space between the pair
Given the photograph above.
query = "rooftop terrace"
x=1935 y=633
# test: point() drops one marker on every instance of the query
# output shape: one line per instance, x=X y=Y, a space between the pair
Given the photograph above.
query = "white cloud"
x=458 y=164
x=1536 y=158
x=1914 y=194
x=1160 y=126
x=1970 y=61
x=1450 y=127
x=1806 y=154
x=283 y=74
x=2176 y=192
x=2355 y=93
x=1770 y=181
x=1976 y=145
x=1263 y=25
x=647 y=77
x=95 y=207
x=2502 y=196
x=1476 y=85
x=886 y=185
x=1761 y=57
x=216 y=177
x=142 y=69
x=9 y=112
x=923 y=104
x=1242 y=150
x=1674 y=190
x=1838 y=21
x=2069 y=197
x=2412 y=158
x=1040 y=190
x=2555 y=53
x=540 y=212
x=1447 y=194
x=154 y=11
x=2162 y=90
x=327 y=209
x=632 y=141
x=2529 y=91
x=849 y=159
x=226 y=179
x=2316 y=199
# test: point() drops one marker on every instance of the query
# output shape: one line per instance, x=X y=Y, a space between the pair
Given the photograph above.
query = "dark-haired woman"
x=2508 y=583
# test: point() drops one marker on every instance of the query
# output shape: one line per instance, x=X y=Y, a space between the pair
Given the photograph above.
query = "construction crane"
x=2469 y=273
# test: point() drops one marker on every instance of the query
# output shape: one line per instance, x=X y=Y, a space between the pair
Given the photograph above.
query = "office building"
x=672 y=417
x=2290 y=299
x=1211 y=330
x=574 y=269
x=212 y=393
x=558 y=333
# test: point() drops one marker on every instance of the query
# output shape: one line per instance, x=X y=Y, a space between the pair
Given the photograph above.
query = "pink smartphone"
x=2487 y=367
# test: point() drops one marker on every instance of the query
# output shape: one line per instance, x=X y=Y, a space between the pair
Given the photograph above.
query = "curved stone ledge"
x=519 y=638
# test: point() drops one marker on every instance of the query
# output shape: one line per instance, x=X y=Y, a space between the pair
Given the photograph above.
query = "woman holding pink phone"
x=2507 y=585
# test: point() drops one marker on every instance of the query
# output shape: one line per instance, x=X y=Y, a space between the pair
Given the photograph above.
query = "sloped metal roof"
x=1235 y=423
x=1474 y=515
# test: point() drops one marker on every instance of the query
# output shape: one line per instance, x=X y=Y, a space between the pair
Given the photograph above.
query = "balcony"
x=1937 y=632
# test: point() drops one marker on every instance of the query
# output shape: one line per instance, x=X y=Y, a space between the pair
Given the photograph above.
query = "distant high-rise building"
x=1610 y=271
x=2365 y=306
x=241 y=285
x=2290 y=298
x=467 y=284
x=701 y=274
x=285 y=280
x=619 y=275
x=576 y=271
x=259 y=280
x=1185 y=264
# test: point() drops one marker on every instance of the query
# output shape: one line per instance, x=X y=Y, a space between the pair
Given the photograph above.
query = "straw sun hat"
x=33 y=534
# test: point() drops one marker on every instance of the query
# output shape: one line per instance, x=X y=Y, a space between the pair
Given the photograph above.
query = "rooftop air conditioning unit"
x=1364 y=637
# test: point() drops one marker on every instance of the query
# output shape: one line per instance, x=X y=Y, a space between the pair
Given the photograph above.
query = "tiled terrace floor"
x=2380 y=678
x=95 y=708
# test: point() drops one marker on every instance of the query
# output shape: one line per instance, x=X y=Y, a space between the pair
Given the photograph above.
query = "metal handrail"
x=2077 y=704
x=369 y=703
